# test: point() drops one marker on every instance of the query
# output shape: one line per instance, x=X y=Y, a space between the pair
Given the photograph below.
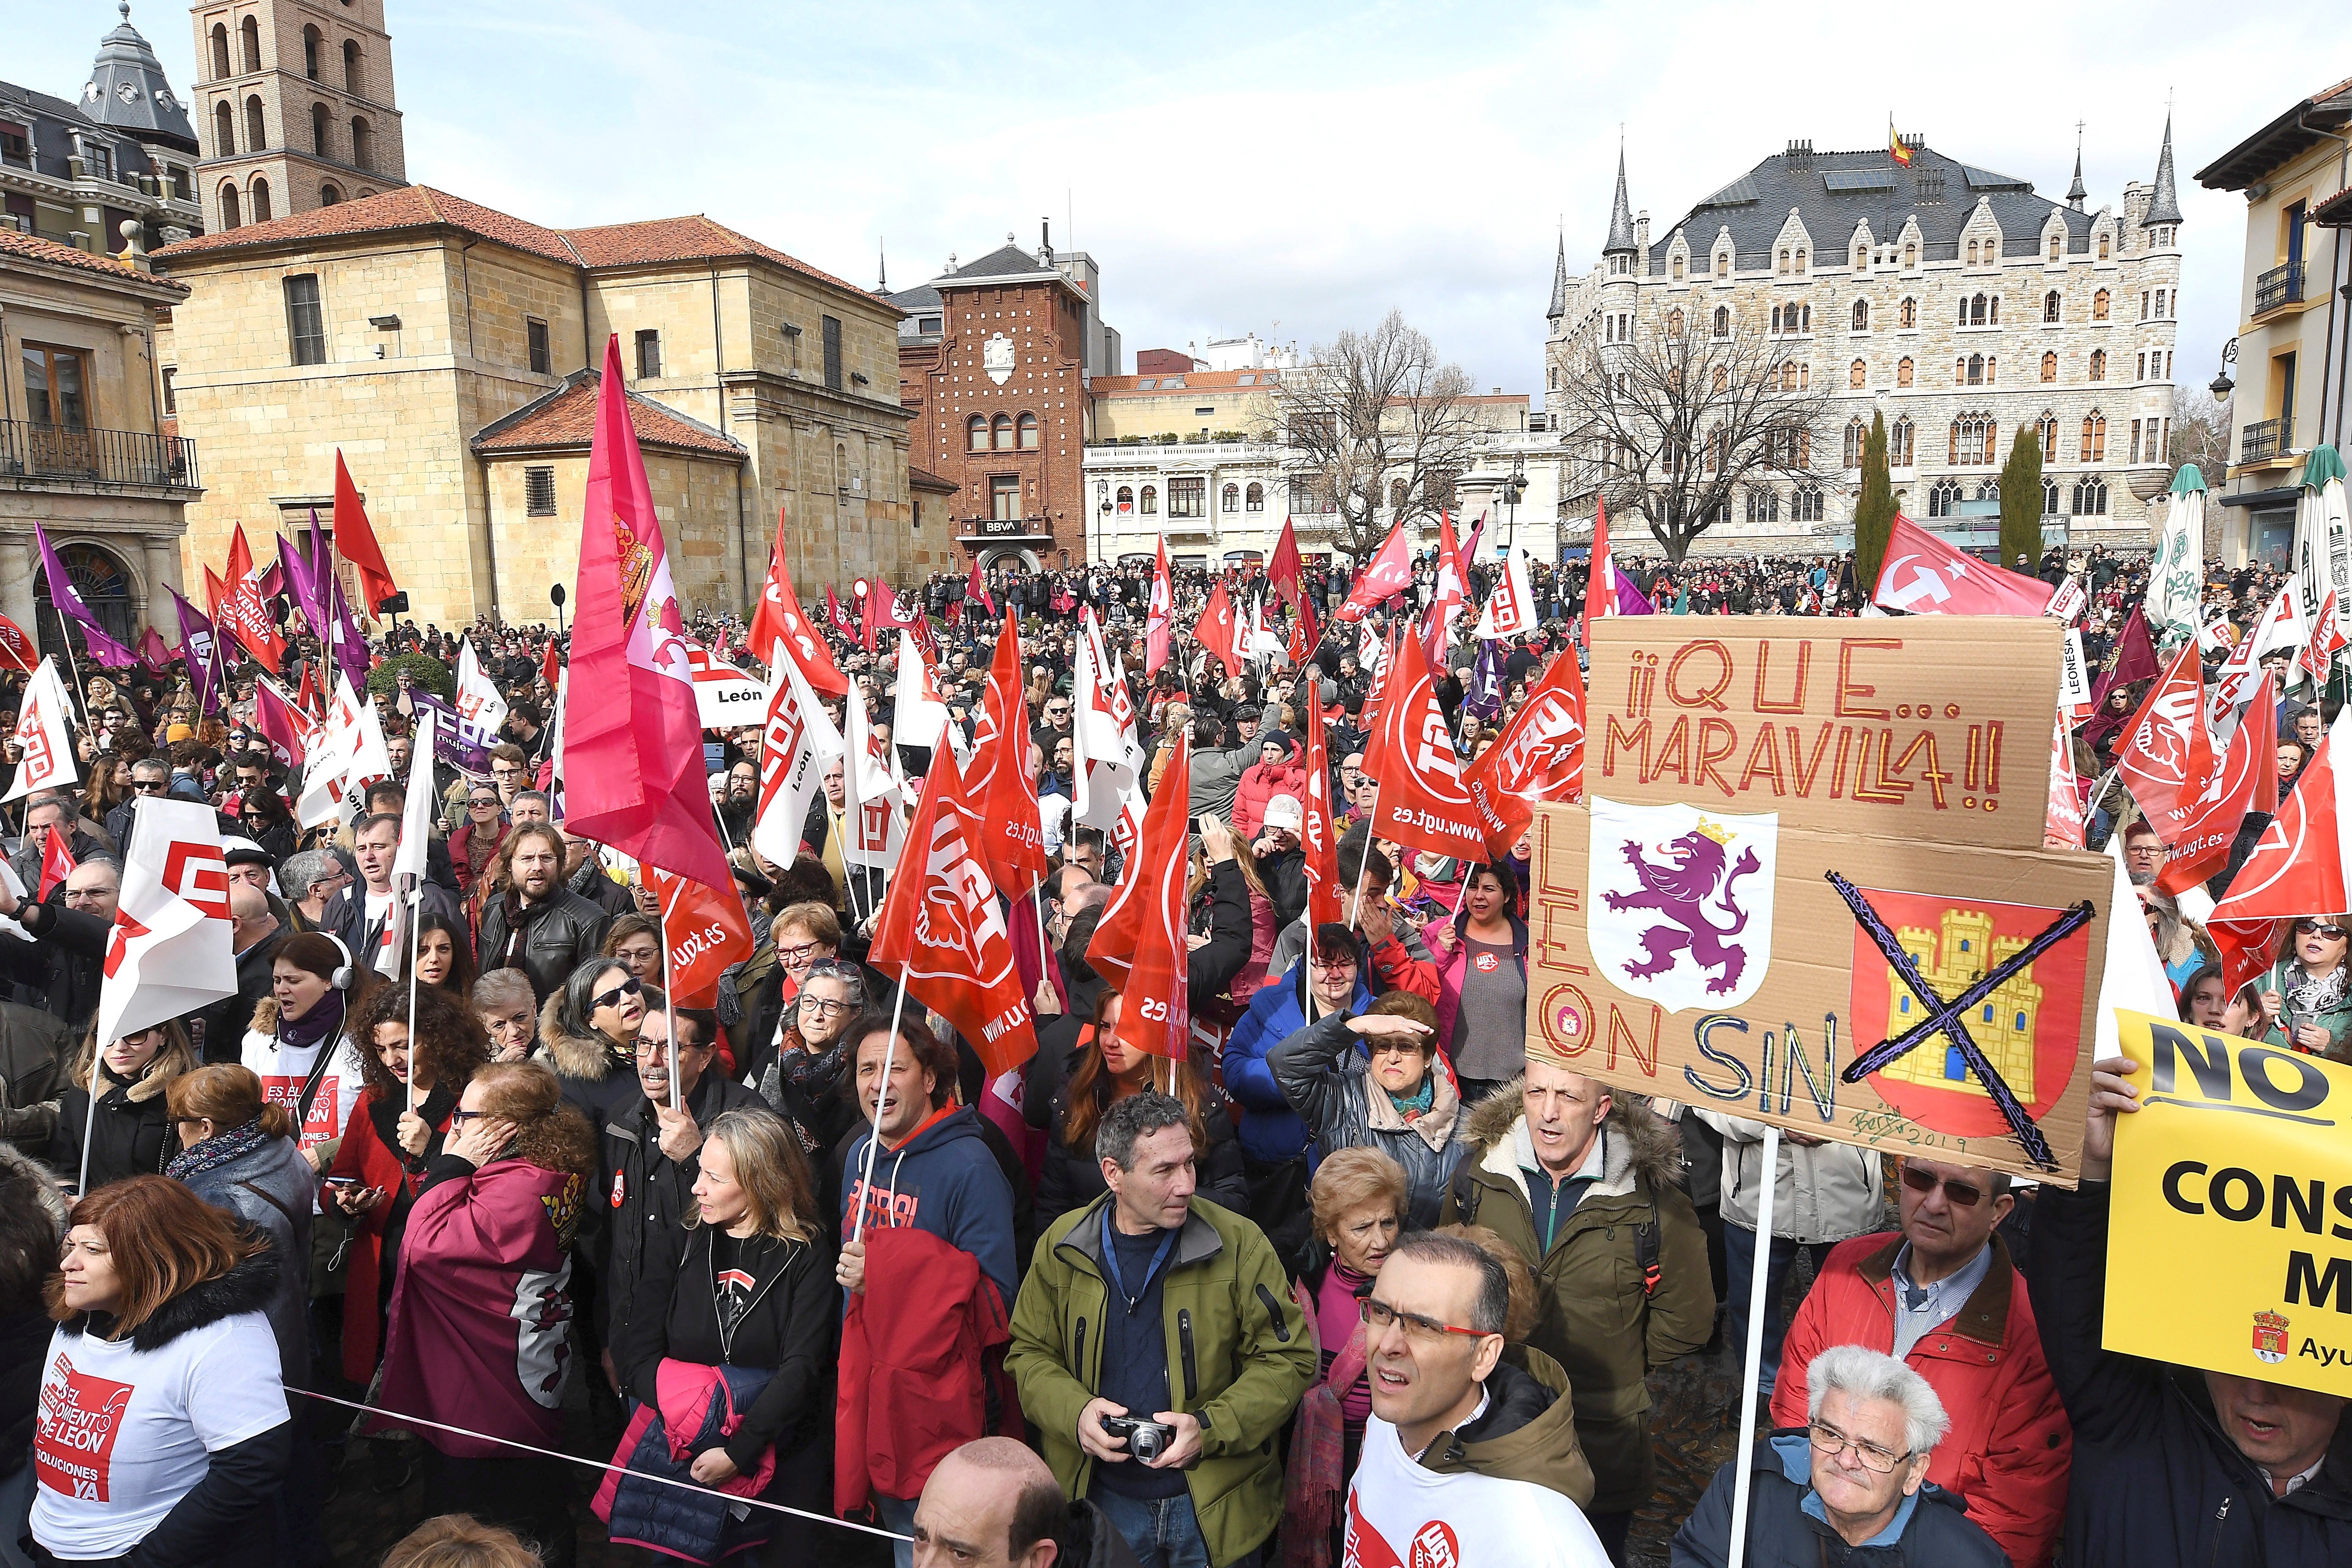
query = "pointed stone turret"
x=128 y=90
x=882 y=259
x=2077 y=193
x=1560 y=279
x=1620 y=213
x=2164 y=207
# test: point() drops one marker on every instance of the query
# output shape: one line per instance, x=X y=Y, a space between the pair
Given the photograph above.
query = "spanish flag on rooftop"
x=1895 y=148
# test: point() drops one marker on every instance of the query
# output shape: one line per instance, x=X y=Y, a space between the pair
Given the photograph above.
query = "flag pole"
x=1757 y=1294
x=415 y=913
x=90 y=1122
x=669 y=1003
x=889 y=1047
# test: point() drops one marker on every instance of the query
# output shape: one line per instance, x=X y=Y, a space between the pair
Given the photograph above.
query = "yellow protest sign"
x=2238 y=1161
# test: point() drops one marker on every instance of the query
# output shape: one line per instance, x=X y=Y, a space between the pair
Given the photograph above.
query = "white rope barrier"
x=395 y=1416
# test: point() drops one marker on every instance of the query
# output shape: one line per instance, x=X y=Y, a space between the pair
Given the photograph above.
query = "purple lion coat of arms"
x=1681 y=912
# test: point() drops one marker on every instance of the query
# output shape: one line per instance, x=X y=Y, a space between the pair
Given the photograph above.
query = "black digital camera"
x=1146 y=1440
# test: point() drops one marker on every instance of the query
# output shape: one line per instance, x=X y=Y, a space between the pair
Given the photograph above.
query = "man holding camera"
x=1158 y=1348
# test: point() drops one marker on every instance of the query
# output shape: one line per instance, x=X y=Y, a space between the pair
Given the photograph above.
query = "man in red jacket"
x=1943 y=1297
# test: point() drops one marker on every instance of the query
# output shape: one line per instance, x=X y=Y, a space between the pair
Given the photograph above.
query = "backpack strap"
x=1646 y=1249
x=1466 y=1193
x=273 y=1201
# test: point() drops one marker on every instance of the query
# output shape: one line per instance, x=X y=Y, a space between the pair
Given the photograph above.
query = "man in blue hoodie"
x=931 y=1170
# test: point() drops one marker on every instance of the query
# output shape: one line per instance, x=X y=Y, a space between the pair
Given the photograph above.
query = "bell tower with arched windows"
x=294 y=107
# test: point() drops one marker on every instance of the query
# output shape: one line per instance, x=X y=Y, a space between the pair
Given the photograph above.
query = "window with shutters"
x=306 y=331
x=2099 y=306
x=2094 y=440
x=1856 y=438
x=1903 y=373
x=1900 y=444
x=538 y=491
x=2046 y=427
x=2050 y=366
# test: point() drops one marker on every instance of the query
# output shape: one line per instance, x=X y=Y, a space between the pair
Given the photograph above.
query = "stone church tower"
x=295 y=107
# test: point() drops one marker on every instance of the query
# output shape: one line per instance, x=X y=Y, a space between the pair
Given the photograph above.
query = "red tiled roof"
x=411 y=206
x=33 y=247
x=567 y=417
x=647 y=243
x=924 y=480
x=2335 y=212
x=692 y=238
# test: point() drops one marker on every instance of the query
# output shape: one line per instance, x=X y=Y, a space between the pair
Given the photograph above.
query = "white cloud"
x=1233 y=167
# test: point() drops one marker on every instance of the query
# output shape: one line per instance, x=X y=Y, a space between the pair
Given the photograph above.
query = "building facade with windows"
x=2293 y=317
x=449 y=351
x=1949 y=298
x=997 y=359
x=86 y=449
x=296 y=101
x=121 y=156
x=1188 y=457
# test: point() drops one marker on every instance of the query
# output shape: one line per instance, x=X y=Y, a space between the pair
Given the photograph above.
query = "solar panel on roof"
x=1858 y=180
x=1986 y=180
x=1736 y=194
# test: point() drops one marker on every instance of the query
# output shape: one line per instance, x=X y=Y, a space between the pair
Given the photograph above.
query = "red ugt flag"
x=1159 y=616
x=1318 y=833
x=1539 y=757
x=2166 y=756
x=1389 y=573
x=2200 y=830
x=1214 y=629
x=1010 y=838
x=780 y=619
x=1284 y=571
x=1423 y=803
x=1139 y=945
x=2297 y=866
x=355 y=540
x=942 y=930
x=632 y=757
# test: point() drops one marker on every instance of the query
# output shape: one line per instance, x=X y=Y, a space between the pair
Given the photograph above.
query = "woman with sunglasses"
x=120 y=1124
x=474 y=848
x=381 y=1165
x=2305 y=1000
x=1378 y=1080
x=267 y=822
x=588 y=1034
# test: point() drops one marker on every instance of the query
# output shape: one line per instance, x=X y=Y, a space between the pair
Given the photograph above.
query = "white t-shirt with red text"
x=284 y=1070
x=124 y=1434
x=1400 y=1515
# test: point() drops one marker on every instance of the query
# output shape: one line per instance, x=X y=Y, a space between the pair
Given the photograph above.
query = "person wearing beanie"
x=1276 y=771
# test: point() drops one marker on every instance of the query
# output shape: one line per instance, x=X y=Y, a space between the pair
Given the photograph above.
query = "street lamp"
x=2221 y=386
x=1515 y=487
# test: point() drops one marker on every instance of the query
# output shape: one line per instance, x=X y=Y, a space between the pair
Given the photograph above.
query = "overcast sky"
x=1290 y=169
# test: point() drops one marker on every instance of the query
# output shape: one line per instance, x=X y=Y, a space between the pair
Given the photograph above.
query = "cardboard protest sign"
x=2237 y=1159
x=1902 y=994
x=1931 y=727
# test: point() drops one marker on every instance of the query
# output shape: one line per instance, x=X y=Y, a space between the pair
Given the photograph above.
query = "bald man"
x=993 y=1504
x=256 y=934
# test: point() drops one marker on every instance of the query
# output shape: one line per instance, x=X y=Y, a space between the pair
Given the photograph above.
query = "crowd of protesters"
x=1356 y=1264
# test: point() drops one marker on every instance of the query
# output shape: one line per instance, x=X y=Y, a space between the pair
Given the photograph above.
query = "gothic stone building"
x=1949 y=298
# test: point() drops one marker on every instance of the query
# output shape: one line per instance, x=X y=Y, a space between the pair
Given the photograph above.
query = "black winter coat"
x=563 y=936
x=789 y=1328
x=2157 y=1482
x=132 y=1136
x=61 y=967
x=641 y=1190
x=1073 y=1178
x=1324 y=1073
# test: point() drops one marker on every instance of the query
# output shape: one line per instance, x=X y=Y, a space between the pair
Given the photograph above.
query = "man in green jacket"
x=1150 y=1304
x=1585 y=1190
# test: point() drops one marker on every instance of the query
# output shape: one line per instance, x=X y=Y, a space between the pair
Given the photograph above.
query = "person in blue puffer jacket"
x=1328 y=980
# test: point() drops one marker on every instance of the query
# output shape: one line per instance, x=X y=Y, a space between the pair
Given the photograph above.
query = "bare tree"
x=1690 y=416
x=1377 y=433
x=2201 y=434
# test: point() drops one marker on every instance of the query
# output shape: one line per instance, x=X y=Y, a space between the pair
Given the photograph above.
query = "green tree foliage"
x=425 y=671
x=2021 y=502
x=1873 y=512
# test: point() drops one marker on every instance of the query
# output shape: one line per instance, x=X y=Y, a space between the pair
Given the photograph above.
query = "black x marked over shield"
x=1948 y=1019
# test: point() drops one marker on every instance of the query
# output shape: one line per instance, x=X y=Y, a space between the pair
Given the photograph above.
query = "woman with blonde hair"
x=460 y=1541
x=482 y=1311
x=742 y=1293
x=113 y=1119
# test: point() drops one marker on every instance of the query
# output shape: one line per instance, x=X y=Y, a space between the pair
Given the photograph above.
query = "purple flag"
x=196 y=651
x=1484 y=696
x=461 y=742
x=103 y=649
x=343 y=639
x=302 y=581
x=1631 y=600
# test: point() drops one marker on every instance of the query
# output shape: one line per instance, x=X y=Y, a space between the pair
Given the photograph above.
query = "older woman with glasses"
x=634 y=939
x=1376 y=1080
x=2305 y=999
x=801 y=935
x=803 y=1084
x=588 y=1034
x=1358 y=1202
x=508 y=1012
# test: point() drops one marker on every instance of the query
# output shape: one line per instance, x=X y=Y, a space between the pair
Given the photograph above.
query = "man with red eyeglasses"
x=1943 y=1297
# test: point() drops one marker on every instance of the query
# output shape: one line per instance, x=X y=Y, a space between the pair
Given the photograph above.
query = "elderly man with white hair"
x=1849 y=1487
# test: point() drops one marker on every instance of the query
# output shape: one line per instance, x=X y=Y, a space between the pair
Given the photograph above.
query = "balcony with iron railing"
x=2259 y=443
x=2279 y=287
x=35 y=451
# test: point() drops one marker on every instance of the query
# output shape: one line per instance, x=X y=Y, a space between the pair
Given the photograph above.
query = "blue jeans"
x=1739 y=1259
x=897 y=1514
x=1161 y=1531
